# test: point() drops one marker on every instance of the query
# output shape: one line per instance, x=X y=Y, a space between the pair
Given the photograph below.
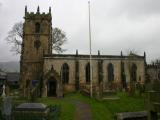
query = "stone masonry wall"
x=57 y=63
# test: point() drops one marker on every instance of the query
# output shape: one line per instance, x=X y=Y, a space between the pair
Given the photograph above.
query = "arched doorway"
x=52 y=87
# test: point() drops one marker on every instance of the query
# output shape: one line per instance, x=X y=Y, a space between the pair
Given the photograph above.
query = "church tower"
x=37 y=29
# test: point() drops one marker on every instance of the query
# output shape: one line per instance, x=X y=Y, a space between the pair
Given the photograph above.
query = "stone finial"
x=25 y=10
x=121 y=53
x=50 y=10
x=145 y=57
x=38 y=9
x=99 y=52
x=76 y=52
x=145 y=54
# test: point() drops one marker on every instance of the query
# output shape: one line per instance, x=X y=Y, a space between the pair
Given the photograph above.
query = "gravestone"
x=141 y=115
x=31 y=107
x=7 y=107
x=110 y=95
x=153 y=101
x=27 y=111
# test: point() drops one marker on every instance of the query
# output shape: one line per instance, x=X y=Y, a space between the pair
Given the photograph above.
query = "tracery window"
x=110 y=72
x=134 y=72
x=65 y=73
x=88 y=73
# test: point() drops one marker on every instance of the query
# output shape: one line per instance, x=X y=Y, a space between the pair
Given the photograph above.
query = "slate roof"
x=13 y=77
x=73 y=56
x=2 y=75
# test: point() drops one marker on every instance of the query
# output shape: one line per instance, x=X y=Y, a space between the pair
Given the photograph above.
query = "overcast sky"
x=116 y=24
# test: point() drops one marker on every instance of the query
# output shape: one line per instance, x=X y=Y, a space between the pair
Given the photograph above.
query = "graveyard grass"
x=67 y=108
x=101 y=110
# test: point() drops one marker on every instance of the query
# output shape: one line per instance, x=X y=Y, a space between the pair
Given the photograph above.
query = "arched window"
x=123 y=76
x=88 y=73
x=134 y=72
x=37 y=27
x=110 y=72
x=65 y=73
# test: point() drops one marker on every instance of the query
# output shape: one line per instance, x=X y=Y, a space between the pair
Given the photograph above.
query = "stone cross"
x=3 y=91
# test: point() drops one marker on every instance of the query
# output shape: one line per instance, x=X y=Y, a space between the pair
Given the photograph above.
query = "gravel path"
x=83 y=111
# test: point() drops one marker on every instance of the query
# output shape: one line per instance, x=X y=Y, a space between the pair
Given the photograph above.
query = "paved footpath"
x=83 y=111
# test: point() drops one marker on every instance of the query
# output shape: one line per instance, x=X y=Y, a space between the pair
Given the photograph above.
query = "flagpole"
x=90 y=47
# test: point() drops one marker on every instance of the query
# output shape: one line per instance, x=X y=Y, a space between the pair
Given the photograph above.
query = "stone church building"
x=56 y=74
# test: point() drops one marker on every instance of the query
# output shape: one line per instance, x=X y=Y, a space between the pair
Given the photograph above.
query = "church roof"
x=81 y=56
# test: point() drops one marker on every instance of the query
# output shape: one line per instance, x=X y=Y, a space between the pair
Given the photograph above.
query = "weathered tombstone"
x=140 y=115
x=27 y=111
x=7 y=107
x=110 y=95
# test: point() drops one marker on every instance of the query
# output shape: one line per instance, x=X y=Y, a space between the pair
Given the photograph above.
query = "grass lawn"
x=67 y=108
x=101 y=110
x=105 y=110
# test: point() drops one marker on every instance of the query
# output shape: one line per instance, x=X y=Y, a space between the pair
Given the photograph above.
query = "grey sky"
x=116 y=24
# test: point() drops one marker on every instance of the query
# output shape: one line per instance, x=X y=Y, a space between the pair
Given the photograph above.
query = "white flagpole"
x=90 y=46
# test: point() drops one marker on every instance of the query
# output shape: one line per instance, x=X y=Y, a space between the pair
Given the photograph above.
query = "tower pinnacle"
x=38 y=9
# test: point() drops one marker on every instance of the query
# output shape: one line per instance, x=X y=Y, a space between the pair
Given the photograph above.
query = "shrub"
x=54 y=112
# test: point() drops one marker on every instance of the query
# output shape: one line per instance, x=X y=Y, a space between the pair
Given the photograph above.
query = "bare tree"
x=58 y=39
x=15 y=37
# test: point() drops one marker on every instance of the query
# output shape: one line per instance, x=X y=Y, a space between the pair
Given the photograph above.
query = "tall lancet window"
x=110 y=72
x=134 y=72
x=88 y=73
x=65 y=73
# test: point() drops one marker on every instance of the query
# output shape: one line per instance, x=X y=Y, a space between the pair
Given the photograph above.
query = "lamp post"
x=90 y=48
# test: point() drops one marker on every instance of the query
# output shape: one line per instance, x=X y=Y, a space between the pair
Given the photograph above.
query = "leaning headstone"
x=7 y=107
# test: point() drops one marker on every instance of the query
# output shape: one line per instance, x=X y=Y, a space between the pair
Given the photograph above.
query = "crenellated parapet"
x=38 y=14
